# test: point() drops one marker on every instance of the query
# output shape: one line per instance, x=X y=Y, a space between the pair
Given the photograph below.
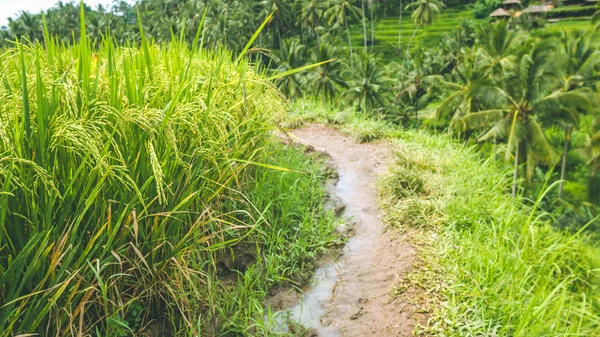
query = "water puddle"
x=311 y=308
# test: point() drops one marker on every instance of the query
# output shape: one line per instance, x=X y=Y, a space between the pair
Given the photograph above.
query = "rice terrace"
x=299 y=168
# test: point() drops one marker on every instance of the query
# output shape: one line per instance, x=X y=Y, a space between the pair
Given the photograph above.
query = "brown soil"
x=375 y=261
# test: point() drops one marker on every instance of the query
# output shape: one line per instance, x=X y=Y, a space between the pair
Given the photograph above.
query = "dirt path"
x=374 y=260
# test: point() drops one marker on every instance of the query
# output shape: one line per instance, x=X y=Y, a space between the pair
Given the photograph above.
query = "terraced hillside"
x=386 y=31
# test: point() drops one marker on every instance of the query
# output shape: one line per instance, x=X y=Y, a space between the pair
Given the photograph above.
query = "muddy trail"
x=352 y=295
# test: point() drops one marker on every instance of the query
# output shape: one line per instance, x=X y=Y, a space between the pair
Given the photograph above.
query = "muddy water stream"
x=350 y=296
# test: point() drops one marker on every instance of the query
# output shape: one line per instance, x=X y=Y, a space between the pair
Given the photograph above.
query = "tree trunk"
x=495 y=156
x=416 y=112
x=400 y=30
x=350 y=45
x=410 y=43
x=515 y=172
x=563 y=167
x=364 y=23
x=372 y=25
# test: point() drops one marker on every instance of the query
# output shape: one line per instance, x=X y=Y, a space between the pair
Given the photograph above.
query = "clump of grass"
x=121 y=179
x=500 y=269
x=406 y=183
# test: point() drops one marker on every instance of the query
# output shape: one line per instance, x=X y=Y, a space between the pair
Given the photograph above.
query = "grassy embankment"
x=136 y=196
x=490 y=265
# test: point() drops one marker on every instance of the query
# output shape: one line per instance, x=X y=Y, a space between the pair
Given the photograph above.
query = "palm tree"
x=425 y=11
x=288 y=57
x=496 y=41
x=528 y=99
x=371 y=4
x=416 y=85
x=282 y=16
x=593 y=146
x=470 y=92
x=581 y=57
x=326 y=79
x=311 y=13
x=364 y=24
x=367 y=82
x=341 y=11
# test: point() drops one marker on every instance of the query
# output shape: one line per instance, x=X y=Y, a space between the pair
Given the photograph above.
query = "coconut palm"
x=340 y=12
x=311 y=13
x=416 y=84
x=528 y=98
x=593 y=146
x=470 y=92
x=496 y=41
x=424 y=13
x=326 y=80
x=364 y=23
x=581 y=57
x=291 y=55
x=371 y=10
x=367 y=82
x=282 y=10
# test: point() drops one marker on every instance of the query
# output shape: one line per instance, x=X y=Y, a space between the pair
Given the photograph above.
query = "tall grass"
x=499 y=269
x=117 y=171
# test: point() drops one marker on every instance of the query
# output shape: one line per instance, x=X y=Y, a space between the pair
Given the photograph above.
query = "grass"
x=490 y=266
x=295 y=229
x=495 y=267
x=138 y=195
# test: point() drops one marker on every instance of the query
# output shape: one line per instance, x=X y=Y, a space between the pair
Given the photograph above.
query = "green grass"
x=494 y=266
x=136 y=195
x=490 y=266
x=295 y=228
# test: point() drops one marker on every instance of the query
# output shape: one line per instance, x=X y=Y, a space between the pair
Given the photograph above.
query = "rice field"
x=128 y=191
x=386 y=30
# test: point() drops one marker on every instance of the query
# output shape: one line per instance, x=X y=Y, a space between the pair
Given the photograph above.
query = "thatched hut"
x=511 y=4
x=500 y=13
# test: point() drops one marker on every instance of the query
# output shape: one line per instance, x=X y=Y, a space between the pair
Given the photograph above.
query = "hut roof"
x=511 y=2
x=536 y=9
x=500 y=12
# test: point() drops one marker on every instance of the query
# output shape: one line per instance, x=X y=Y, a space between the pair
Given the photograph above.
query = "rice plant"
x=114 y=168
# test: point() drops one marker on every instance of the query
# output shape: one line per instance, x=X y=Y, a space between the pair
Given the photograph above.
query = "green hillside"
x=386 y=30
